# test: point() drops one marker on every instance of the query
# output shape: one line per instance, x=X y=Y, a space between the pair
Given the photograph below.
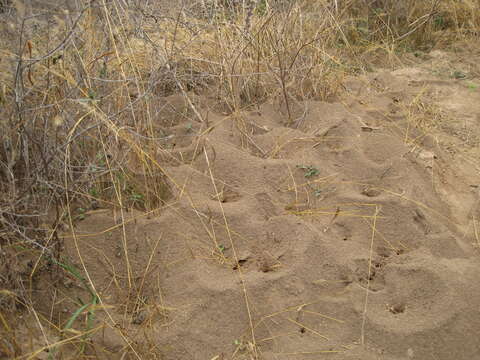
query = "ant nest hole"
x=397 y=308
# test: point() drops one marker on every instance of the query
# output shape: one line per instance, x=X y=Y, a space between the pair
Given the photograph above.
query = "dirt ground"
x=350 y=232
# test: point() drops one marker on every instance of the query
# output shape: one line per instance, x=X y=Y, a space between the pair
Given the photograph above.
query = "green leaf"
x=70 y=269
x=457 y=74
x=310 y=170
x=92 y=94
x=75 y=315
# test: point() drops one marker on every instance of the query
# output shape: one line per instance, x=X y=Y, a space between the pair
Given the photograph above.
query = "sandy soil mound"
x=350 y=232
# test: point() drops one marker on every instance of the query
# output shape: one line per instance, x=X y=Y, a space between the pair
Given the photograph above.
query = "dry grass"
x=81 y=89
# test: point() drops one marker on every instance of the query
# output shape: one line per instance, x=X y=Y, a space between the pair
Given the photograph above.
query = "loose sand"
x=352 y=233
